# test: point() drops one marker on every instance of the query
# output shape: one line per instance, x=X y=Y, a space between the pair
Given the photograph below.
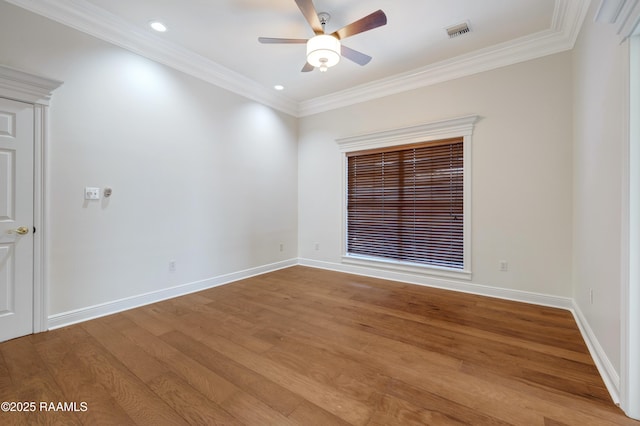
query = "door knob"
x=22 y=230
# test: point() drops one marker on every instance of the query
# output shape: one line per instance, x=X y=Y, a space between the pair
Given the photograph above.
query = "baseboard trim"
x=91 y=312
x=84 y=314
x=446 y=284
x=603 y=364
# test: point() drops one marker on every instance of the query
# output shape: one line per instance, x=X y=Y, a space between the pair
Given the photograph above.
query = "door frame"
x=37 y=91
x=630 y=316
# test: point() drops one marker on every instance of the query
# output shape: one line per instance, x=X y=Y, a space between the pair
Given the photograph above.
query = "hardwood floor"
x=303 y=346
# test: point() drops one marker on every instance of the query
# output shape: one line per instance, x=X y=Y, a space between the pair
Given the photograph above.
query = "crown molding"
x=609 y=11
x=625 y=14
x=79 y=14
x=83 y=16
x=566 y=23
x=441 y=129
x=26 y=87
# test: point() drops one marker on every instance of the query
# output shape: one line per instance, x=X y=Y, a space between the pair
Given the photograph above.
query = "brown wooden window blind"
x=406 y=203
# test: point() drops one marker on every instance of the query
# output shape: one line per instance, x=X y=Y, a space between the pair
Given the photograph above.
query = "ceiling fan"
x=325 y=50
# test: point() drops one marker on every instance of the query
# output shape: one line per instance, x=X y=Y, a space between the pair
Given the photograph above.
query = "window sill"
x=411 y=268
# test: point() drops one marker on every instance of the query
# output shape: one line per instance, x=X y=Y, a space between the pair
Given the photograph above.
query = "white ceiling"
x=217 y=40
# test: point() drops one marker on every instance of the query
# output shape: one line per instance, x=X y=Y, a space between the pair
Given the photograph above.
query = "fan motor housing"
x=323 y=50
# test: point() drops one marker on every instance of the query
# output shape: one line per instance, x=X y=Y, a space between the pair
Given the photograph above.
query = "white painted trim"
x=86 y=17
x=91 y=312
x=435 y=130
x=527 y=48
x=626 y=226
x=630 y=250
x=90 y=19
x=446 y=284
x=567 y=21
x=410 y=268
x=629 y=18
x=25 y=87
x=36 y=90
x=603 y=364
x=624 y=13
x=609 y=11
x=40 y=278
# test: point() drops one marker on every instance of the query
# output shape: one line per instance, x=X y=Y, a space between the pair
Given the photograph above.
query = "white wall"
x=217 y=182
x=600 y=69
x=521 y=169
x=199 y=175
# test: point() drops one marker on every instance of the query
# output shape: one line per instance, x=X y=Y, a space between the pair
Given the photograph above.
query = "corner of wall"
x=603 y=364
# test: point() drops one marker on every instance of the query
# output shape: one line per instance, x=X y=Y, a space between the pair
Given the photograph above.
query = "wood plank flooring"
x=304 y=346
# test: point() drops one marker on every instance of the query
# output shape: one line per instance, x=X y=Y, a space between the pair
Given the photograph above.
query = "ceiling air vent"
x=458 y=30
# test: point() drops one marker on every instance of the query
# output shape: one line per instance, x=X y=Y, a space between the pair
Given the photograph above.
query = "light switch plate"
x=91 y=193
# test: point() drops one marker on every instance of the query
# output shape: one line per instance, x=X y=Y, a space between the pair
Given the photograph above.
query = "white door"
x=16 y=218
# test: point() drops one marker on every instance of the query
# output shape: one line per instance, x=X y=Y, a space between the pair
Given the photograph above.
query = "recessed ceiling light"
x=158 y=26
x=278 y=87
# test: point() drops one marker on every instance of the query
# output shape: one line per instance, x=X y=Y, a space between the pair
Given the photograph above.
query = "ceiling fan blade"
x=309 y=11
x=357 y=57
x=369 y=22
x=307 y=67
x=271 y=40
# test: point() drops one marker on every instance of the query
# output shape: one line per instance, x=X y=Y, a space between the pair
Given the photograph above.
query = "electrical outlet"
x=172 y=266
x=91 y=193
x=281 y=247
x=504 y=266
x=317 y=246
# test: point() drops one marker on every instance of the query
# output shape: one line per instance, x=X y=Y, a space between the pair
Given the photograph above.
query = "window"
x=407 y=198
x=406 y=203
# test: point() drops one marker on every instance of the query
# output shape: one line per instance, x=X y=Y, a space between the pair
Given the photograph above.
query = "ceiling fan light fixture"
x=323 y=51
